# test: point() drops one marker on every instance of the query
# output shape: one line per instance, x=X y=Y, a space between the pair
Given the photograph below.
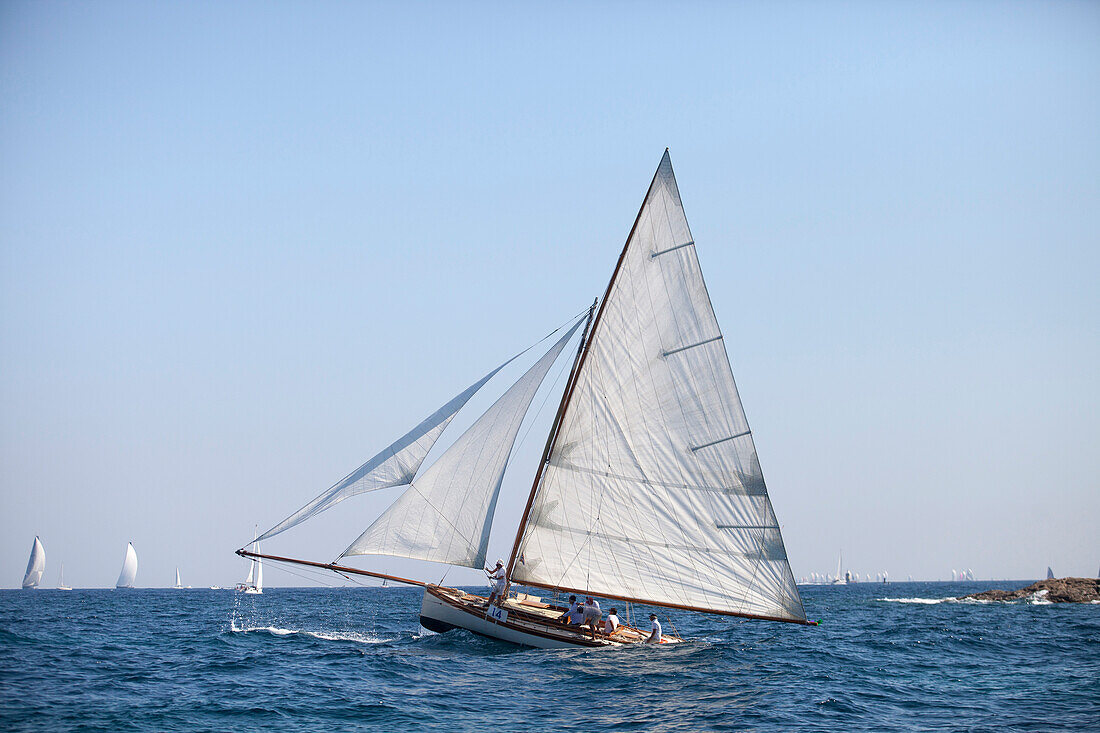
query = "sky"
x=244 y=246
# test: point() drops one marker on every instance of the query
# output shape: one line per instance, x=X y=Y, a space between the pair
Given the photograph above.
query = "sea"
x=897 y=656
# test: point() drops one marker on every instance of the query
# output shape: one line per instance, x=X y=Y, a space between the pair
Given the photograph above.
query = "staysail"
x=445 y=515
x=396 y=465
x=129 y=568
x=653 y=491
x=36 y=565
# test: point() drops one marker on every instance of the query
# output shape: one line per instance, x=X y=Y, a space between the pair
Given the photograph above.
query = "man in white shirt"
x=611 y=625
x=499 y=576
x=655 y=630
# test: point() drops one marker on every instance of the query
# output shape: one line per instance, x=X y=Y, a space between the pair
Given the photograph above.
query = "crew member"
x=611 y=625
x=499 y=576
x=655 y=630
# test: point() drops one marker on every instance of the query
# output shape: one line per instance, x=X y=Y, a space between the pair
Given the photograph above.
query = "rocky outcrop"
x=1058 y=590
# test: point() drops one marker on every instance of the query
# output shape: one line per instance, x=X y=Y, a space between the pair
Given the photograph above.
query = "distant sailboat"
x=837 y=579
x=36 y=565
x=129 y=568
x=254 y=583
x=1050 y=573
x=61 y=579
x=178 y=585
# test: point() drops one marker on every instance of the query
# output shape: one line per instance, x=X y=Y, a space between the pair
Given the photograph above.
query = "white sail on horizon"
x=178 y=584
x=36 y=565
x=446 y=513
x=654 y=491
x=128 y=575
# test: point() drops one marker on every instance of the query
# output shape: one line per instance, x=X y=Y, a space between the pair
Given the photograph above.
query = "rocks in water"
x=1058 y=590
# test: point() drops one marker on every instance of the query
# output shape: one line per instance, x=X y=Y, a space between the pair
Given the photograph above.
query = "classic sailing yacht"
x=128 y=575
x=36 y=565
x=649 y=489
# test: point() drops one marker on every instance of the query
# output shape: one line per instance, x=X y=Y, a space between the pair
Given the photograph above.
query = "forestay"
x=446 y=513
x=394 y=466
x=653 y=491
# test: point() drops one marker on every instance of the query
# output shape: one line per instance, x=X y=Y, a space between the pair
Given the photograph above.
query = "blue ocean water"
x=356 y=659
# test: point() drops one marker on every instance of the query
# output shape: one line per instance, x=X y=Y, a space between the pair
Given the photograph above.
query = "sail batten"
x=446 y=513
x=653 y=489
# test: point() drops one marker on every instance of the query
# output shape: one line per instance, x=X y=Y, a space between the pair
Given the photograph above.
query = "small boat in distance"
x=838 y=579
x=254 y=583
x=649 y=489
x=61 y=579
x=36 y=565
x=128 y=575
x=1050 y=573
x=178 y=585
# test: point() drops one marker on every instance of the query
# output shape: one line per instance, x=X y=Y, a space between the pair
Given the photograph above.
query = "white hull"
x=444 y=609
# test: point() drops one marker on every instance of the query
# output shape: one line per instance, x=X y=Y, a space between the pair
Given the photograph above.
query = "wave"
x=1039 y=598
x=322 y=635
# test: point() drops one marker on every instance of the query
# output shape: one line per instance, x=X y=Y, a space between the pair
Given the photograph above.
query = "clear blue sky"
x=245 y=245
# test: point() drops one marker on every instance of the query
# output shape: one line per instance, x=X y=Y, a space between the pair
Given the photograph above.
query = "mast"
x=582 y=354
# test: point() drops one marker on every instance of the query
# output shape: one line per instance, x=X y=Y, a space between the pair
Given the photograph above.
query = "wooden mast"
x=332 y=566
x=582 y=354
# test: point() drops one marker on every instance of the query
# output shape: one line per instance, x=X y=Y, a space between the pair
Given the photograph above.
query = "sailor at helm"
x=499 y=576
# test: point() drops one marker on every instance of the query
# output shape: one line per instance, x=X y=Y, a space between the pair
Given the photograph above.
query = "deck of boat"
x=528 y=615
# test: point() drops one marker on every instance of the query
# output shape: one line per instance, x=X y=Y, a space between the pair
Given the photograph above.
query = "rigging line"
x=313 y=576
x=325 y=493
x=553 y=388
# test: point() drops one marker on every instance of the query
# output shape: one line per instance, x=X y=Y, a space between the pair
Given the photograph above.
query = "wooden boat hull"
x=444 y=609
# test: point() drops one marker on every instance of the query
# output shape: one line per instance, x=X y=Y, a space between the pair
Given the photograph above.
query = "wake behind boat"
x=649 y=489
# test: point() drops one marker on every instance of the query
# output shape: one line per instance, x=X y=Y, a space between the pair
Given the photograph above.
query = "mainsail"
x=445 y=515
x=129 y=568
x=394 y=466
x=653 y=491
x=36 y=565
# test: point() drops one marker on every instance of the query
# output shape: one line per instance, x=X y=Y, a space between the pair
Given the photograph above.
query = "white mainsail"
x=446 y=513
x=129 y=568
x=36 y=565
x=396 y=465
x=654 y=491
x=178 y=584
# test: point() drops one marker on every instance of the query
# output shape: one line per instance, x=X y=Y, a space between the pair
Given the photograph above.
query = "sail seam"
x=670 y=352
x=720 y=440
